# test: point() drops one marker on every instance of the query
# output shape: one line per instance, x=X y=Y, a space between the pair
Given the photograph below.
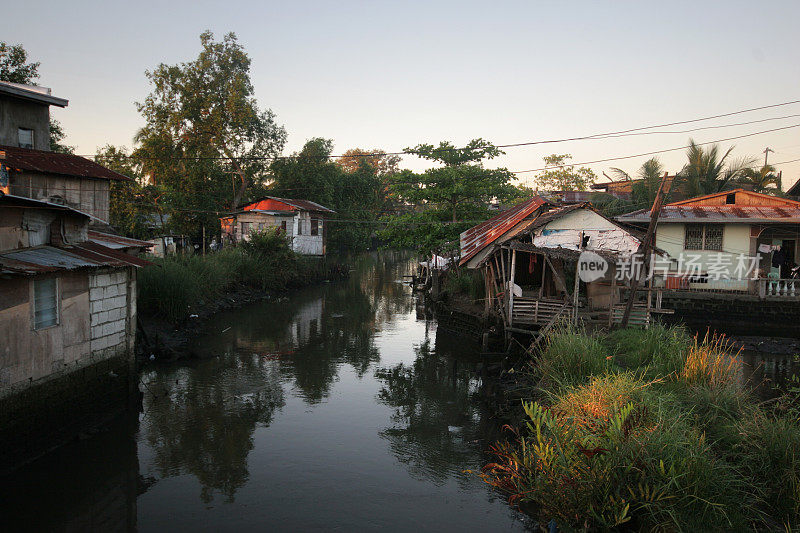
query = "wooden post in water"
x=511 y=288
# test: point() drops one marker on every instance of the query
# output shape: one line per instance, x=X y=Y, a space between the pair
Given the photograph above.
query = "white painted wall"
x=735 y=241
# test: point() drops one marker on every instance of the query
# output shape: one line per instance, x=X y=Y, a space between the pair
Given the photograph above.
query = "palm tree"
x=643 y=192
x=706 y=172
x=762 y=180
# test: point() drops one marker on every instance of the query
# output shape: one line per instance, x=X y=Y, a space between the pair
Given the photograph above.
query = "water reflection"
x=439 y=425
x=333 y=409
x=200 y=420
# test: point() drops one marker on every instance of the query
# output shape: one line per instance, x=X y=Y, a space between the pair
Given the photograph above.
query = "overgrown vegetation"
x=649 y=430
x=177 y=284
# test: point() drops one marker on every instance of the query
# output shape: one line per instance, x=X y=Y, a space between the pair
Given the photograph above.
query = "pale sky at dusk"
x=393 y=74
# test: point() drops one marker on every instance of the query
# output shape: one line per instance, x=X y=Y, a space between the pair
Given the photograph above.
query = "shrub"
x=465 y=282
x=571 y=356
x=709 y=363
x=770 y=457
x=662 y=349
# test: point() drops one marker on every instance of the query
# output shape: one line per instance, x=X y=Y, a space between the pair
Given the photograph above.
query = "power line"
x=661 y=151
x=611 y=134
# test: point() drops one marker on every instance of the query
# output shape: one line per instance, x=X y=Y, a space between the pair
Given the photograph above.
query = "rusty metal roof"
x=479 y=237
x=43 y=259
x=116 y=242
x=305 y=205
x=55 y=163
x=718 y=213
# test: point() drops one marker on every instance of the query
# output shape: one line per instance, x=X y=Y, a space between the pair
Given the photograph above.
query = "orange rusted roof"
x=479 y=237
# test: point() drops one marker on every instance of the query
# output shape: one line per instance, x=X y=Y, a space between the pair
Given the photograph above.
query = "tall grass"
x=175 y=285
x=648 y=430
x=465 y=282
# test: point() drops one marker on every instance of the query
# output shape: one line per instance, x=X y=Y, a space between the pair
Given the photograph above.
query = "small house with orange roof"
x=302 y=221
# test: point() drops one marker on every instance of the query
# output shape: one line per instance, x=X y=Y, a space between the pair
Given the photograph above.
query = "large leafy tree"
x=383 y=163
x=14 y=65
x=443 y=201
x=15 y=68
x=560 y=175
x=708 y=171
x=205 y=138
x=357 y=196
x=130 y=201
x=764 y=179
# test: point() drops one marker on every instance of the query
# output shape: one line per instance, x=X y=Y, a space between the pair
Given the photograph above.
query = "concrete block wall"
x=108 y=301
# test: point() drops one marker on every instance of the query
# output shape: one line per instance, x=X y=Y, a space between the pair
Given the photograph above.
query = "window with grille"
x=703 y=237
x=45 y=303
x=713 y=238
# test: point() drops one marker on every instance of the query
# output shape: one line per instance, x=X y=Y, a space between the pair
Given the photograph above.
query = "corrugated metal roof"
x=116 y=242
x=717 y=213
x=305 y=205
x=21 y=201
x=478 y=237
x=55 y=163
x=43 y=259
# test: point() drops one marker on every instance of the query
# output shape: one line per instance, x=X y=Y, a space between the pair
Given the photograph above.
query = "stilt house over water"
x=529 y=256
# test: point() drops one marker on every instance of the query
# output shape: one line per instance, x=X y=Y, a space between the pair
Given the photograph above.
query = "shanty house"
x=531 y=254
x=738 y=240
x=302 y=221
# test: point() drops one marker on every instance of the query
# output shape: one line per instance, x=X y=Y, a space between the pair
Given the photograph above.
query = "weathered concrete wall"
x=59 y=380
x=16 y=113
x=739 y=314
x=88 y=195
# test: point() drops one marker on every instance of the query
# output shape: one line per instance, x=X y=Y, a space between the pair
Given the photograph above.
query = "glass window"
x=694 y=237
x=45 y=303
x=314 y=226
x=25 y=137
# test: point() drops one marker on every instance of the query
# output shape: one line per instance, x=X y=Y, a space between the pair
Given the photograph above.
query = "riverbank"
x=178 y=295
x=644 y=429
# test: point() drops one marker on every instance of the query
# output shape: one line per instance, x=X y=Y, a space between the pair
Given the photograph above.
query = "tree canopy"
x=203 y=125
x=560 y=175
x=357 y=196
x=441 y=202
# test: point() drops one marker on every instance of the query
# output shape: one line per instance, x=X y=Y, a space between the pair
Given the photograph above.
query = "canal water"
x=337 y=408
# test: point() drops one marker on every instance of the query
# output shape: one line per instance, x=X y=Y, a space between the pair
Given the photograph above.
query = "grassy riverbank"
x=649 y=429
x=179 y=285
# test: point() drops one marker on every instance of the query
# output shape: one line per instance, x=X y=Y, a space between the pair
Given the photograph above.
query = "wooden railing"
x=538 y=311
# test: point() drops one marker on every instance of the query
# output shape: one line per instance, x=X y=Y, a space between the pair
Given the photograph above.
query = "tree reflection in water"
x=438 y=419
x=204 y=423
x=200 y=417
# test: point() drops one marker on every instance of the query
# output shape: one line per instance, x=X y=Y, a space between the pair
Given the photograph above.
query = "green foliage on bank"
x=177 y=286
x=649 y=430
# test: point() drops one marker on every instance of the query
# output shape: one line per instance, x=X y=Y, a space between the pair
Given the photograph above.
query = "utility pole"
x=644 y=251
x=766 y=154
